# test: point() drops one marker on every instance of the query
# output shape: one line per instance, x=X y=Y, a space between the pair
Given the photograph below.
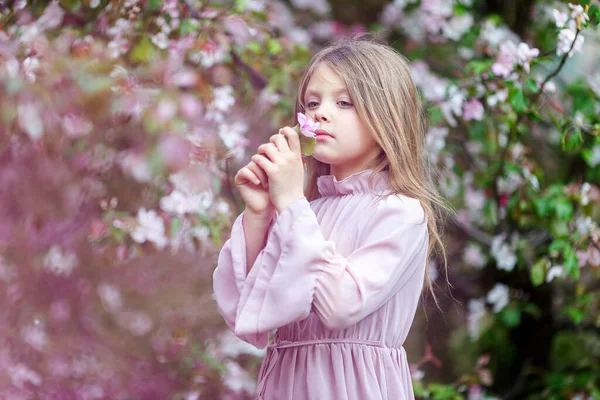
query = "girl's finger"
x=250 y=176
x=292 y=138
x=280 y=141
x=271 y=151
x=258 y=171
x=264 y=163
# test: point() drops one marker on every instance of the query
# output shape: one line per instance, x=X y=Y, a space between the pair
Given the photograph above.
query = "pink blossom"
x=191 y=106
x=307 y=125
x=525 y=55
x=52 y=17
x=505 y=62
x=473 y=109
x=238 y=28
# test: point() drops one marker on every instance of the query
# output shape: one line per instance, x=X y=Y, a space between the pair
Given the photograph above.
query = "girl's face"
x=351 y=147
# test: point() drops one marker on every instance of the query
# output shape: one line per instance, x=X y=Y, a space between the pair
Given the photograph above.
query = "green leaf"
x=274 y=46
x=511 y=317
x=144 y=51
x=176 y=225
x=572 y=139
x=435 y=114
x=71 y=5
x=254 y=47
x=518 y=99
x=154 y=5
x=307 y=145
x=187 y=26
x=478 y=67
x=533 y=309
x=538 y=272
x=563 y=209
x=575 y=314
x=559 y=228
x=532 y=86
x=240 y=5
x=571 y=263
x=594 y=13
x=92 y=85
x=542 y=206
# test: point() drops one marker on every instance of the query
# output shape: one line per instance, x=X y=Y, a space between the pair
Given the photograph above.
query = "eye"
x=312 y=104
x=344 y=103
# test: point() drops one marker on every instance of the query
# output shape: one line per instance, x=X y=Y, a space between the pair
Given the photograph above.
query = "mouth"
x=321 y=132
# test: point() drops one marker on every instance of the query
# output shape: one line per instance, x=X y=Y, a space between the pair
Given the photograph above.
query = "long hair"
x=387 y=101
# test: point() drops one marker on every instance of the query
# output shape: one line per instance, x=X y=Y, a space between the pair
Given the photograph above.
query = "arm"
x=299 y=270
x=231 y=275
x=256 y=229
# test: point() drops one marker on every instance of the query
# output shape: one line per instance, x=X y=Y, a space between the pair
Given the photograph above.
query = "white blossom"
x=20 y=374
x=476 y=311
x=208 y=58
x=160 y=40
x=499 y=296
x=30 y=120
x=436 y=141
x=35 y=336
x=237 y=378
x=504 y=253
x=60 y=263
x=110 y=296
x=594 y=158
x=554 y=272
x=178 y=202
x=584 y=191
x=255 y=5
x=232 y=134
x=565 y=40
x=560 y=18
x=474 y=256
x=30 y=66
x=584 y=225
x=578 y=12
x=457 y=26
x=150 y=228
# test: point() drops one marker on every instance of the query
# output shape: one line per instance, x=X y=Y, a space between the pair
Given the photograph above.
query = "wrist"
x=260 y=217
x=285 y=202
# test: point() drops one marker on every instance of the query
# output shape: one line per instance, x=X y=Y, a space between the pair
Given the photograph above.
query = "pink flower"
x=473 y=109
x=505 y=62
x=307 y=126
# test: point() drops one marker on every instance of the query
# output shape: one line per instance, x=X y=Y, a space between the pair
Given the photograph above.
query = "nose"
x=320 y=115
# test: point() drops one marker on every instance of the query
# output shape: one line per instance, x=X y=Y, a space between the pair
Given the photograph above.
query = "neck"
x=342 y=171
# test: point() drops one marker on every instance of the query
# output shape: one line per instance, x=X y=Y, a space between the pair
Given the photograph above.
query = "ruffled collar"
x=328 y=185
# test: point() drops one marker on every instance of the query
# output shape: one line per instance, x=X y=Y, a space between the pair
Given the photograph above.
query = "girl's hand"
x=282 y=161
x=252 y=183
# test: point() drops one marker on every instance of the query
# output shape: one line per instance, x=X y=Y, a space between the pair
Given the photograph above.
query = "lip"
x=322 y=132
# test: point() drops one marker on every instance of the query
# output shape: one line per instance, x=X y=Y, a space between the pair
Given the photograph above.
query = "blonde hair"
x=387 y=101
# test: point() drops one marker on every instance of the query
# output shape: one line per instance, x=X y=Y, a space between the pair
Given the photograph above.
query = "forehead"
x=325 y=77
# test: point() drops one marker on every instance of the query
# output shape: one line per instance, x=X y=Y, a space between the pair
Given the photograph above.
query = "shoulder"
x=401 y=208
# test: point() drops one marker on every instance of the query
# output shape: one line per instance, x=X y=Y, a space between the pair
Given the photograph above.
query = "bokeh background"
x=122 y=124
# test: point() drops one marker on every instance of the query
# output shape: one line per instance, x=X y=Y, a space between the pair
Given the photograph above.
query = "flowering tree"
x=518 y=149
x=123 y=124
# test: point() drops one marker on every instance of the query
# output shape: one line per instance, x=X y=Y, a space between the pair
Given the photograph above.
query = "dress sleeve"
x=229 y=279
x=299 y=270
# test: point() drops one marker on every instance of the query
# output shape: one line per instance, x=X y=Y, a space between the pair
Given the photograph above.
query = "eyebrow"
x=315 y=92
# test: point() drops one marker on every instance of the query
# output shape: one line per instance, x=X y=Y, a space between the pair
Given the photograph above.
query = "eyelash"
x=308 y=105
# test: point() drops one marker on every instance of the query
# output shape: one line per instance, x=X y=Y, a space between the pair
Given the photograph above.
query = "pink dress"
x=339 y=279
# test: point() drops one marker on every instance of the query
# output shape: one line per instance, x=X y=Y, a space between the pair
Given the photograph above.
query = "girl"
x=337 y=268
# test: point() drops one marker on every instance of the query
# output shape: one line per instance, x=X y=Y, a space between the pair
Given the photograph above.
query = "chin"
x=324 y=158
